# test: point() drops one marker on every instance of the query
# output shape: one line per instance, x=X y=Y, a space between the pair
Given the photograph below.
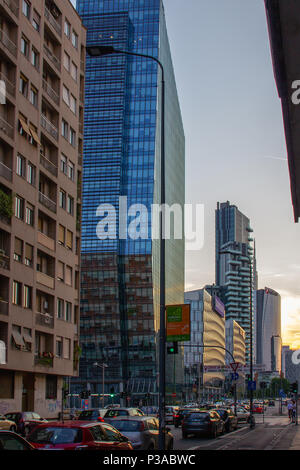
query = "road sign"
x=281 y=393
x=251 y=385
x=178 y=323
x=174 y=395
x=234 y=376
x=234 y=366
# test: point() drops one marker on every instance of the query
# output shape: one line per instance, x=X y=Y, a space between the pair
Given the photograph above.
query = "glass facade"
x=120 y=275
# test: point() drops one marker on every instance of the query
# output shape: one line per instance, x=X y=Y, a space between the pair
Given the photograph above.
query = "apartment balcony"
x=10 y=88
x=4 y=260
x=80 y=156
x=52 y=21
x=46 y=241
x=48 y=164
x=81 y=127
x=3 y=307
x=12 y=5
x=50 y=92
x=5 y=172
x=44 y=279
x=44 y=319
x=50 y=128
x=44 y=359
x=47 y=202
x=6 y=128
x=53 y=59
x=8 y=43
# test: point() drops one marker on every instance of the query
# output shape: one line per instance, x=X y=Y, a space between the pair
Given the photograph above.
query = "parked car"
x=7 y=424
x=94 y=414
x=11 y=441
x=203 y=422
x=170 y=412
x=25 y=421
x=242 y=414
x=142 y=431
x=271 y=403
x=257 y=408
x=229 y=418
x=181 y=413
x=78 y=435
x=114 y=412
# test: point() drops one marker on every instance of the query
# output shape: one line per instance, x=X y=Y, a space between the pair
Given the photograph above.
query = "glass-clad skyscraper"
x=120 y=274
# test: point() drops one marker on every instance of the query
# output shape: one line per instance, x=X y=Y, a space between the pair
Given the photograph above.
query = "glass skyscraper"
x=120 y=275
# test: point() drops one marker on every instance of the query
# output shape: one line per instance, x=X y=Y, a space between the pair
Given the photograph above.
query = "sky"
x=235 y=143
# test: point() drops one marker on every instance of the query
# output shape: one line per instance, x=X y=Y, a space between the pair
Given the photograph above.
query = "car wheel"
x=13 y=428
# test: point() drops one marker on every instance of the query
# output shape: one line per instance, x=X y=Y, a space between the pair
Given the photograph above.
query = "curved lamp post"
x=98 y=51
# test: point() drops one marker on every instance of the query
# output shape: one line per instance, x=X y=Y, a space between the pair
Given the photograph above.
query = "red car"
x=257 y=408
x=78 y=435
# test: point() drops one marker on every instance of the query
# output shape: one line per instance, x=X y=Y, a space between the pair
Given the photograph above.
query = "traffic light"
x=112 y=392
x=294 y=387
x=173 y=349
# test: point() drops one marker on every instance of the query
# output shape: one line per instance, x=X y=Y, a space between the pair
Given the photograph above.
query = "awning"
x=27 y=338
x=18 y=338
x=24 y=126
x=35 y=136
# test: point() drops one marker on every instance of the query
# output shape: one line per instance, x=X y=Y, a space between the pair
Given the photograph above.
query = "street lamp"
x=98 y=51
x=102 y=366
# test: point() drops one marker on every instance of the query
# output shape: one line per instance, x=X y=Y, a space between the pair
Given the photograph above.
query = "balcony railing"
x=80 y=158
x=46 y=124
x=44 y=319
x=50 y=92
x=55 y=60
x=6 y=128
x=4 y=260
x=48 y=165
x=8 y=43
x=53 y=21
x=9 y=87
x=43 y=360
x=3 y=307
x=47 y=202
x=5 y=172
x=13 y=6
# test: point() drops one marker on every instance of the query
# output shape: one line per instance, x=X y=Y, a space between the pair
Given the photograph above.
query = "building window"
x=61 y=234
x=62 y=199
x=31 y=174
x=67 y=61
x=51 y=387
x=19 y=207
x=36 y=20
x=74 y=71
x=68 y=312
x=67 y=348
x=74 y=39
x=35 y=58
x=73 y=104
x=18 y=251
x=69 y=275
x=60 y=271
x=17 y=293
x=69 y=240
x=28 y=255
x=26 y=8
x=72 y=137
x=70 y=205
x=63 y=164
x=29 y=214
x=27 y=297
x=7 y=380
x=60 y=309
x=24 y=46
x=23 y=85
x=66 y=95
x=67 y=29
x=71 y=171
x=64 y=129
x=59 y=348
x=21 y=166
x=33 y=96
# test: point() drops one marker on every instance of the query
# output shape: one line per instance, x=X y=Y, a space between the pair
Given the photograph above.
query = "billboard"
x=218 y=306
x=178 y=322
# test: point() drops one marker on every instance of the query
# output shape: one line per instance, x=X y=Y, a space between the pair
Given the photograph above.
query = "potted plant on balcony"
x=45 y=358
x=6 y=206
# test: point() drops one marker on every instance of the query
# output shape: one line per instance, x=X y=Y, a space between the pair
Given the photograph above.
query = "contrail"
x=277 y=158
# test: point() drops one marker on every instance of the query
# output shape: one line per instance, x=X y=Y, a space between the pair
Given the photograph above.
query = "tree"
x=278 y=383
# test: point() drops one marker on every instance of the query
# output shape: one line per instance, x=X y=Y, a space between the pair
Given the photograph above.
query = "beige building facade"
x=42 y=54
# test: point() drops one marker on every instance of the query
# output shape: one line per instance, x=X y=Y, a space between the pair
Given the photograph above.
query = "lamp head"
x=98 y=51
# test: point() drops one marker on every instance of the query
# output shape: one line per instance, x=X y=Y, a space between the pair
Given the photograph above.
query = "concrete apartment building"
x=42 y=54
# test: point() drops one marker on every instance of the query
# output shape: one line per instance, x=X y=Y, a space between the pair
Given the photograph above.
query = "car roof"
x=132 y=418
x=68 y=424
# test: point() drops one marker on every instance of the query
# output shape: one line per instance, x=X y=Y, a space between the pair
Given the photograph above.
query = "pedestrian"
x=290 y=409
x=294 y=412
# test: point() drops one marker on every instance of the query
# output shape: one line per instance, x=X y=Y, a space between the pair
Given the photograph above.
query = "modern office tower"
x=120 y=275
x=233 y=257
x=207 y=329
x=235 y=343
x=42 y=45
x=268 y=329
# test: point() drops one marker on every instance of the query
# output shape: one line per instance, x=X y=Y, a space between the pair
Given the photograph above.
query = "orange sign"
x=178 y=322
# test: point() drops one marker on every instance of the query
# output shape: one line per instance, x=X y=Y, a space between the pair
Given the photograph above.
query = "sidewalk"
x=290 y=439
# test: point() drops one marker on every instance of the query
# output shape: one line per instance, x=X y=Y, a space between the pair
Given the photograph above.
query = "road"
x=268 y=432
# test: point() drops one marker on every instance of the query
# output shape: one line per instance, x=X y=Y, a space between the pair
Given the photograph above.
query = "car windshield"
x=88 y=414
x=56 y=435
x=222 y=413
x=113 y=413
x=127 y=426
x=13 y=416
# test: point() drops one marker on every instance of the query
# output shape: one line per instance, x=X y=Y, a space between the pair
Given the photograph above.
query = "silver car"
x=142 y=431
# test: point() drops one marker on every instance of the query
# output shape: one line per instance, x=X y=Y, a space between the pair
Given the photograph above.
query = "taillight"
x=175 y=416
x=100 y=419
x=142 y=426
